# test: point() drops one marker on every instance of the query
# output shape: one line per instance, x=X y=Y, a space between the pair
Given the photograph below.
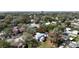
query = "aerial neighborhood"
x=39 y=29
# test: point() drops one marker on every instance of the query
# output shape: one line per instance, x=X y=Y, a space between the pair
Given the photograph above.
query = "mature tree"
x=32 y=44
x=27 y=36
x=42 y=29
x=31 y=30
x=68 y=23
x=4 y=44
x=50 y=27
x=48 y=18
x=29 y=41
x=24 y=18
x=3 y=25
x=8 y=30
x=8 y=19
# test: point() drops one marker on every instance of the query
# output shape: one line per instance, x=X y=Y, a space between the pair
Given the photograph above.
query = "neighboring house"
x=71 y=38
x=2 y=20
x=67 y=31
x=32 y=20
x=47 y=23
x=53 y=22
x=75 y=23
x=61 y=46
x=2 y=34
x=34 y=25
x=72 y=44
x=71 y=32
x=40 y=36
x=74 y=33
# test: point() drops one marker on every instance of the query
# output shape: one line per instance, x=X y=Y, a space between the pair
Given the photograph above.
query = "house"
x=40 y=36
x=67 y=31
x=72 y=44
x=73 y=33
x=53 y=22
x=2 y=20
x=61 y=46
x=2 y=35
x=34 y=25
x=47 y=23
x=32 y=20
x=71 y=38
x=75 y=23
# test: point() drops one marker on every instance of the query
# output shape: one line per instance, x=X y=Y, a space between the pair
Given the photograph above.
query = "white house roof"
x=53 y=22
x=75 y=32
x=47 y=23
x=34 y=25
x=73 y=44
x=32 y=20
x=40 y=36
x=2 y=33
x=71 y=38
x=68 y=29
x=61 y=46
